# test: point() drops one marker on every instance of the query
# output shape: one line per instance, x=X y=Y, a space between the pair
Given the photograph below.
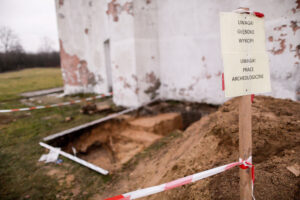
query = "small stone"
x=225 y=109
x=67 y=119
x=188 y=108
x=100 y=107
x=295 y=169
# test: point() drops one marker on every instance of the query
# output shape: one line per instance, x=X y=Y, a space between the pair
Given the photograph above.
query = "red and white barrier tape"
x=245 y=164
x=58 y=104
x=185 y=180
x=242 y=11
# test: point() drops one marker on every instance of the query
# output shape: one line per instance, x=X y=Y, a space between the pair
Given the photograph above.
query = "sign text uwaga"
x=246 y=67
x=246 y=32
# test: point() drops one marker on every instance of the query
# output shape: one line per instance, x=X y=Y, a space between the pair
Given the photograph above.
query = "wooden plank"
x=77 y=128
x=89 y=124
x=245 y=145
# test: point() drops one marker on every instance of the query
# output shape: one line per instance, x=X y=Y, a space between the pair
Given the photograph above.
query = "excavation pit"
x=112 y=143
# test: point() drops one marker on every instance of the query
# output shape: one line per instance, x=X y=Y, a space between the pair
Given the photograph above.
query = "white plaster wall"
x=190 y=55
x=123 y=55
x=82 y=31
x=147 y=50
x=284 y=61
x=189 y=46
x=171 y=48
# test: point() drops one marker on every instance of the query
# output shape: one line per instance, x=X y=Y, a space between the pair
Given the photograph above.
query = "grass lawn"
x=21 y=175
x=14 y=83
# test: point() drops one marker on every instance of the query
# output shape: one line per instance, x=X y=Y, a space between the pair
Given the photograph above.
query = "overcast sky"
x=31 y=20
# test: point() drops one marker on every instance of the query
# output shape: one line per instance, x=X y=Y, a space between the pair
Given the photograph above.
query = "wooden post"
x=245 y=145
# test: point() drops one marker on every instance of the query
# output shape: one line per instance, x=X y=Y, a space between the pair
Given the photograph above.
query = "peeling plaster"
x=151 y=78
x=128 y=7
x=270 y=38
x=294 y=10
x=137 y=90
x=191 y=87
x=100 y=79
x=126 y=85
x=154 y=85
x=86 y=77
x=294 y=26
x=115 y=9
x=207 y=76
x=60 y=3
x=278 y=28
x=281 y=49
x=133 y=85
x=298 y=51
x=75 y=71
x=134 y=77
x=181 y=91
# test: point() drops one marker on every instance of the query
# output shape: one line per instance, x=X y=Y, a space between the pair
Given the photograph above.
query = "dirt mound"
x=213 y=141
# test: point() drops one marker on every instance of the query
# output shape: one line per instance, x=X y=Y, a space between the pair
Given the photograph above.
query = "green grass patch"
x=21 y=175
x=14 y=83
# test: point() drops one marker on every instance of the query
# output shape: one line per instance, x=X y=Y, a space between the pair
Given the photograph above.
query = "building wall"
x=121 y=29
x=147 y=50
x=283 y=44
x=82 y=31
x=170 y=49
x=190 y=55
x=189 y=38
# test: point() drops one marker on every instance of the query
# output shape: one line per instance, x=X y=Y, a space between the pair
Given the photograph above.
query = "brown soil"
x=213 y=141
x=5 y=119
x=115 y=142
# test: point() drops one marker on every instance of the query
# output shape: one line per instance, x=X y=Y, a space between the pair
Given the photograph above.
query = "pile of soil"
x=213 y=141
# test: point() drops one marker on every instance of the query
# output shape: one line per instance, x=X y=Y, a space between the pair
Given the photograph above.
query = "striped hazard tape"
x=245 y=11
x=58 y=104
x=185 y=180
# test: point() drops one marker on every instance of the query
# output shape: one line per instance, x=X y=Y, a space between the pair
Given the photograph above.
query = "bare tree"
x=8 y=40
x=46 y=45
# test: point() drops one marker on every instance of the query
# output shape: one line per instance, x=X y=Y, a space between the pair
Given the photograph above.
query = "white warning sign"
x=246 y=64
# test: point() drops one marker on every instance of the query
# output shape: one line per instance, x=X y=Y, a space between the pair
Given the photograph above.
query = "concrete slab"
x=42 y=92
